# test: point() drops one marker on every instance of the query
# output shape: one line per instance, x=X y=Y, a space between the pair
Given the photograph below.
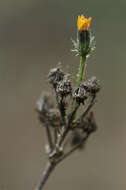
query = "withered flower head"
x=92 y=85
x=43 y=103
x=83 y=23
x=64 y=87
x=55 y=76
x=79 y=94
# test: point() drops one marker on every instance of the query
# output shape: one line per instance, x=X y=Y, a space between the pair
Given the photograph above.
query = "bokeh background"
x=34 y=37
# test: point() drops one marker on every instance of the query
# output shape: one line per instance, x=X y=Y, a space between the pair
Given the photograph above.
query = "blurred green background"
x=34 y=37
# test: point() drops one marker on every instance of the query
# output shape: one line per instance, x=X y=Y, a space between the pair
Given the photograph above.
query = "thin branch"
x=49 y=137
x=48 y=170
x=89 y=107
x=59 y=104
x=55 y=135
x=68 y=125
x=73 y=149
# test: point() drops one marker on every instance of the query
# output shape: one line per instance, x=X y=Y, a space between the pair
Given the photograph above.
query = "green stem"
x=81 y=70
x=80 y=77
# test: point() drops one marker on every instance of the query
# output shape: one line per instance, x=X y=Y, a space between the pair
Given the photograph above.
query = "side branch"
x=49 y=137
x=73 y=149
x=68 y=125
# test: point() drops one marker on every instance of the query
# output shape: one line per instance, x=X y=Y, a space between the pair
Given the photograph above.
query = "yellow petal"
x=83 y=23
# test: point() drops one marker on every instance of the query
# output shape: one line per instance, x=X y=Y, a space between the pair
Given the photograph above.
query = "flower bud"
x=83 y=34
x=84 y=42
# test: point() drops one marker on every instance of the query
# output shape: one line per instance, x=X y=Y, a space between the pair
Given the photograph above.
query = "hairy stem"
x=81 y=70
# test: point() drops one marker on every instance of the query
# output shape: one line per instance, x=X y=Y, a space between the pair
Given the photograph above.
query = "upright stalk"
x=81 y=70
x=80 y=77
x=57 y=120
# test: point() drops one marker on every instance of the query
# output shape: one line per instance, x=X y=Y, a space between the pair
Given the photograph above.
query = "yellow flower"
x=83 y=23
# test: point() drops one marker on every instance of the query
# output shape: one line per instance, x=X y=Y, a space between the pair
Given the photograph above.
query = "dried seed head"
x=64 y=87
x=79 y=94
x=92 y=85
x=47 y=114
x=43 y=103
x=55 y=76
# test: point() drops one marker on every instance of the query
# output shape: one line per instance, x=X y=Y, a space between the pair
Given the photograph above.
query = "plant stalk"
x=81 y=70
x=48 y=170
x=80 y=76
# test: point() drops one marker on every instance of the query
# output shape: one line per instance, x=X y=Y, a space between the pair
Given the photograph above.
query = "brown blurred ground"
x=34 y=37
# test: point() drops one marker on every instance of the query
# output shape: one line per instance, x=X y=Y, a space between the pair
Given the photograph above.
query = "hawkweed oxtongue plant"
x=64 y=128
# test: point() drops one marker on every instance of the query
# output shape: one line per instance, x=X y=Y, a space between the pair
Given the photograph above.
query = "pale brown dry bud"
x=55 y=76
x=79 y=94
x=92 y=85
x=64 y=86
